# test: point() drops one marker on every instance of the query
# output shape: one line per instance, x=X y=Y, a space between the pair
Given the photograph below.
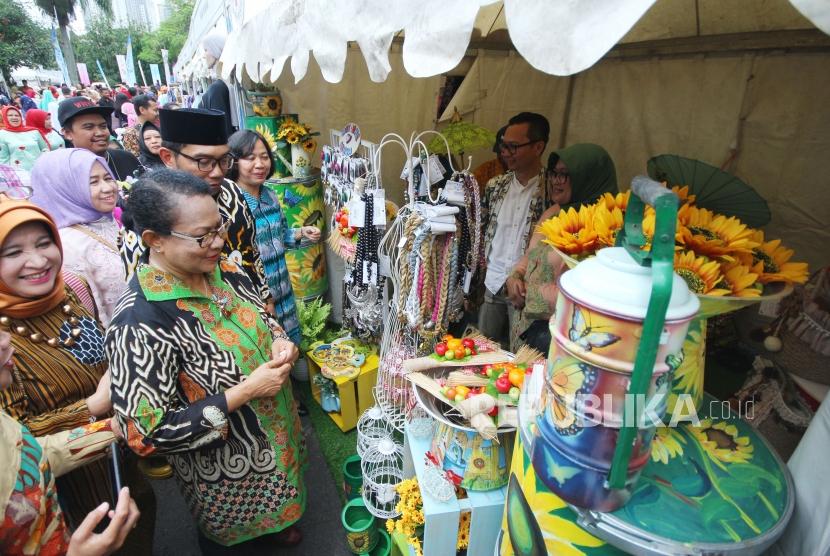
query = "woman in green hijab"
x=577 y=175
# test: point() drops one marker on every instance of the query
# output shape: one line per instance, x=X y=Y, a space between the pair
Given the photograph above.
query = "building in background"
x=145 y=14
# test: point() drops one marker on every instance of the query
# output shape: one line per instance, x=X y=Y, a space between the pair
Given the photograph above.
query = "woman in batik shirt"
x=198 y=368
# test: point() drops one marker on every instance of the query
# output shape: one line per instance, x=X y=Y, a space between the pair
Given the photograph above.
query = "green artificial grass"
x=335 y=444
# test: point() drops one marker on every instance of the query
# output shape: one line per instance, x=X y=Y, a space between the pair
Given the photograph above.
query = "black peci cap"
x=193 y=126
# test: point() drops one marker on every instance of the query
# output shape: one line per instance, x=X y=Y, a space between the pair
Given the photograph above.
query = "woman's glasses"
x=553 y=175
x=207 y=239
x=14 y=191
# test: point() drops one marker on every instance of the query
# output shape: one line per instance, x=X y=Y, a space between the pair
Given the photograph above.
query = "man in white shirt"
x=512 y=203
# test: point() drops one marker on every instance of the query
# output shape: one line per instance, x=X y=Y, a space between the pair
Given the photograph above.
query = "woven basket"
x=796 y=357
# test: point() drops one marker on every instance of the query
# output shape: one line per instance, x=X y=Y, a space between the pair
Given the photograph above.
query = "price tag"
x=370 y=273
x=468 y=280
x=436 y=169
x=415 y=163
x=385 y=265
x=423 y=186
x=379 y=208
x=357 y=212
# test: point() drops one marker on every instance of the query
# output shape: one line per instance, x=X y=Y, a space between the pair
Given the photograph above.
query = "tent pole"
x=566 y=114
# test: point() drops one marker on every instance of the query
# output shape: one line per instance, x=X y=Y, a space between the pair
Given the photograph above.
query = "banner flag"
x=130 y=62
x=59 y=58
x=122 y=67
x=83 y=74
x=165 y=56
x=141 y=69
x=103 y=75
x=154 y=74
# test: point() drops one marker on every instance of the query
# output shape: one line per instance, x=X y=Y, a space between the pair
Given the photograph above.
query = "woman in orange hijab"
x=60 y=378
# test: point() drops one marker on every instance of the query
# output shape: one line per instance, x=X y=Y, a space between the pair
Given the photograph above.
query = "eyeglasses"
x=207 y=239
x=513 y=147
x=207 y=164
x=553 y=175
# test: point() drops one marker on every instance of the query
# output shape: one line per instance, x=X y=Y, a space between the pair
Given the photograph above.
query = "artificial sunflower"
x=620 y=200
x=721 y=441
x=309 y=145
x=683 y=194
x=607 y=222
x=712 y=235
x=292 y=138
x=666 y=444
x=571 y=232
x=699 y=273
x=775 y=265
x=741 y=281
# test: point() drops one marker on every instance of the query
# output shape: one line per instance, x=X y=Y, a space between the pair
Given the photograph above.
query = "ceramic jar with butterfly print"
x=595 y=333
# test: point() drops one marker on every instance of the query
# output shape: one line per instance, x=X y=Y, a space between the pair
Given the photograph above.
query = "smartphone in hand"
x=116 y=467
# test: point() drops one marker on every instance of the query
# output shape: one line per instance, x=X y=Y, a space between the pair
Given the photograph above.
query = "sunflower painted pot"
x=712 y=488
x=600 y=311
x=589 y=391
x=476 y=463
x=361 y=529
x=352 y=477
x=595 y=334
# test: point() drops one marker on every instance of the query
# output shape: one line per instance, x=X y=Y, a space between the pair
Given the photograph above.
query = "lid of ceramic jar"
x=613 y=282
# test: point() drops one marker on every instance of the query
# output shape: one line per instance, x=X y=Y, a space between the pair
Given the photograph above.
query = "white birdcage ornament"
x=371 y=428
x=419 y=423
x=382 y=468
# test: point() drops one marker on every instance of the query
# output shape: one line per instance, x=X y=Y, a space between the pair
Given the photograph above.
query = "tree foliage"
x=171 y=34
x=22 y=41
x=102 y=42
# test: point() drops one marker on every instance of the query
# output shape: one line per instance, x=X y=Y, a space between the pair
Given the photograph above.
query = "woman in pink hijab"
x=77 y=188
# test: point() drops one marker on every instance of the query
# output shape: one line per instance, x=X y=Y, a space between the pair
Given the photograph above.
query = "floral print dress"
x=173 y=352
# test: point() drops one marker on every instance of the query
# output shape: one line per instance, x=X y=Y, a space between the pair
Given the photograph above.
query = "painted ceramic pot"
x=352 y=477
x=573 y=480
x=479 y=464
x=601 y=307
x=587 y=390
x=361 y=529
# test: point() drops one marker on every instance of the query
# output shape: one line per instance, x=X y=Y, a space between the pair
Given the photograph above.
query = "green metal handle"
x=661 y=260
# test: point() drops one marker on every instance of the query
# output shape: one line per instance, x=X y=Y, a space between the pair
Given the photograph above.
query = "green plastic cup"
x=384 y=545
x=361 y=529
x=352 y=477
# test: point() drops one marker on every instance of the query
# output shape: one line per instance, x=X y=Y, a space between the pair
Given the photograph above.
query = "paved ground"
x=323 y=533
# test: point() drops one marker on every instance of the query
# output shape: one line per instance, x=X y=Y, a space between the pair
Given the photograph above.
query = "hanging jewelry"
x=36 y=337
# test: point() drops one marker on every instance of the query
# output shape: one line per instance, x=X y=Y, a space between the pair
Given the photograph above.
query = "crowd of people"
x=144 y=295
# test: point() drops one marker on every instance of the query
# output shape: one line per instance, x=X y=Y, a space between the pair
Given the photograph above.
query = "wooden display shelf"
x=355 y=393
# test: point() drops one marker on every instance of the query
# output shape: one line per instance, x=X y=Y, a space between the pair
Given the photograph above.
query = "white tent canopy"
x=739 y=85
x=559 y=38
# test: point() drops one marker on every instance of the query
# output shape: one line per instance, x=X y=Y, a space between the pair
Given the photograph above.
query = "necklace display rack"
x=415 y=279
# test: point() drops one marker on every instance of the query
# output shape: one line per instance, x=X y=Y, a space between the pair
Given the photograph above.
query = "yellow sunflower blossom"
x=720 y=440
x=740 y=280
x=571 y=232
x=666 y=444
x=774 y=259
x=309 y=145
x=292 y=138
x=620 y=200
x=714 y=236
x=607 y=223
x=699 y=273
x=683 y=194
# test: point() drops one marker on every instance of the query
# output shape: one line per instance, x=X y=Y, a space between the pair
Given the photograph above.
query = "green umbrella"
x=713 y=188
x=462 y=137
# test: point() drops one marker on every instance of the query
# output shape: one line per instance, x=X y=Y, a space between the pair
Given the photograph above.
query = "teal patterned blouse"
x=273 y=236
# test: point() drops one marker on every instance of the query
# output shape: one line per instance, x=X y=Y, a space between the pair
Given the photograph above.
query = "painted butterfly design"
x=583 y=334
x=291 y=198
x=567 y=382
